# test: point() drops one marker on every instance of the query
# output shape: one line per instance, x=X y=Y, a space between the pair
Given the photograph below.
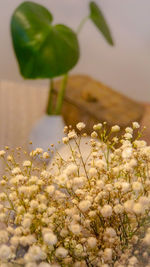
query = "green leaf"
x=43 y=50
x=98 y=19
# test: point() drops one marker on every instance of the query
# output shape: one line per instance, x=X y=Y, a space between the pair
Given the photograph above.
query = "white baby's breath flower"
x=79 y=192
x=5 y=252
x=42 y=207
x=27 y=163
x=79 y=182
x=107 y=254
x=71 y=169
x=65 y=140
x=125 y=187
x=100 y=184
x=26 y=223
x=3 y=182
x=92 y=172
x=18 y=231
x=115 y=128
x=51 y=210
x=118 y=209
x=61 y=252
x=127 y=136
x=136 y=125
x=140 y=143
x=145 y=201
x=84 y=205
x=75 y=228
x=39 y=150
x=138 y=208
x=40 y=182
x=80 y=126
x=20 y=209
x=46 y=155
x=62 y=179
x=2 y=217
x=146 y=239
x=3 y=236
x=129 y=130
x=133 y=261
x=10 y=158
x=45 y=174
x=66 y=129
x=94 y=134
x=128 y=205
x=110 y=232
x=101 y=164
x=2 y=153
x=50 y=238
x=50 y=189
x=16 y=170
x=13 y=196
x=64 y=232
x=33 y=180
x=3 y=196
x=14 y=241
x=109 y=187
x=97 y=127
x=36 y=253
x=106 y=211
x=76 y=217
x=72 y=134
x=137 y=186
x=132 y=163
x=127 y=152
x=78 y=250
x=92 y=242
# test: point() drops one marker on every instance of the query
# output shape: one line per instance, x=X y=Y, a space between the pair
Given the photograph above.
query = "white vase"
x=48 y=130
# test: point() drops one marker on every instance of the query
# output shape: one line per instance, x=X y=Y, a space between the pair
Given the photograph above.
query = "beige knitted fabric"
x=20 y=106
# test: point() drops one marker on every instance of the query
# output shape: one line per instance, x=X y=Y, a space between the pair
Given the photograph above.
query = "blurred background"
x=124 y=67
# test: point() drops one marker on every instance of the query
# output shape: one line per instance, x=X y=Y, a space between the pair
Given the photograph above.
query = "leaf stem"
x=83 y=21
x=49 y=110
x=61 y=94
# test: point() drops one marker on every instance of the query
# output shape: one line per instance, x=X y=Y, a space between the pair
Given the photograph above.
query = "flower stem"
x=61 y=94
x=83 y=21
x=49 y=110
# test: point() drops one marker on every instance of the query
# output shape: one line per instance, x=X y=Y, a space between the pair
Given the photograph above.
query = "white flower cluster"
x=89 y=212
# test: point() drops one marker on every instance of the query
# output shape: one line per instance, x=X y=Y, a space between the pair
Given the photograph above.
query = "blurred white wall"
x=125 y=67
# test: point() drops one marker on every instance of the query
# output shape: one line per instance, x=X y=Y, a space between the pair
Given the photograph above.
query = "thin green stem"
x=83 y=21
x=83 y=163
x=61 y=95
x=49 y=110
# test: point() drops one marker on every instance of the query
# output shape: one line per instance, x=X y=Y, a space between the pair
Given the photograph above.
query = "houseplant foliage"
x=45 y=50
x=80 y=212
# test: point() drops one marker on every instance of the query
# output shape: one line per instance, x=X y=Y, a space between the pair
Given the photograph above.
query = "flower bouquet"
x=82 y=211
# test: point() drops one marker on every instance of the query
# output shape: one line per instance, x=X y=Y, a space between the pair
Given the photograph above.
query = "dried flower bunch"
x=79 y=212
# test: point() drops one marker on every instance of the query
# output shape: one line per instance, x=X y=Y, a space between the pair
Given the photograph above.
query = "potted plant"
x=47 y=51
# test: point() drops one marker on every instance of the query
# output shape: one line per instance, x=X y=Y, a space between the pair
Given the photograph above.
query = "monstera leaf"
x=98 y=19
x=43 y=50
